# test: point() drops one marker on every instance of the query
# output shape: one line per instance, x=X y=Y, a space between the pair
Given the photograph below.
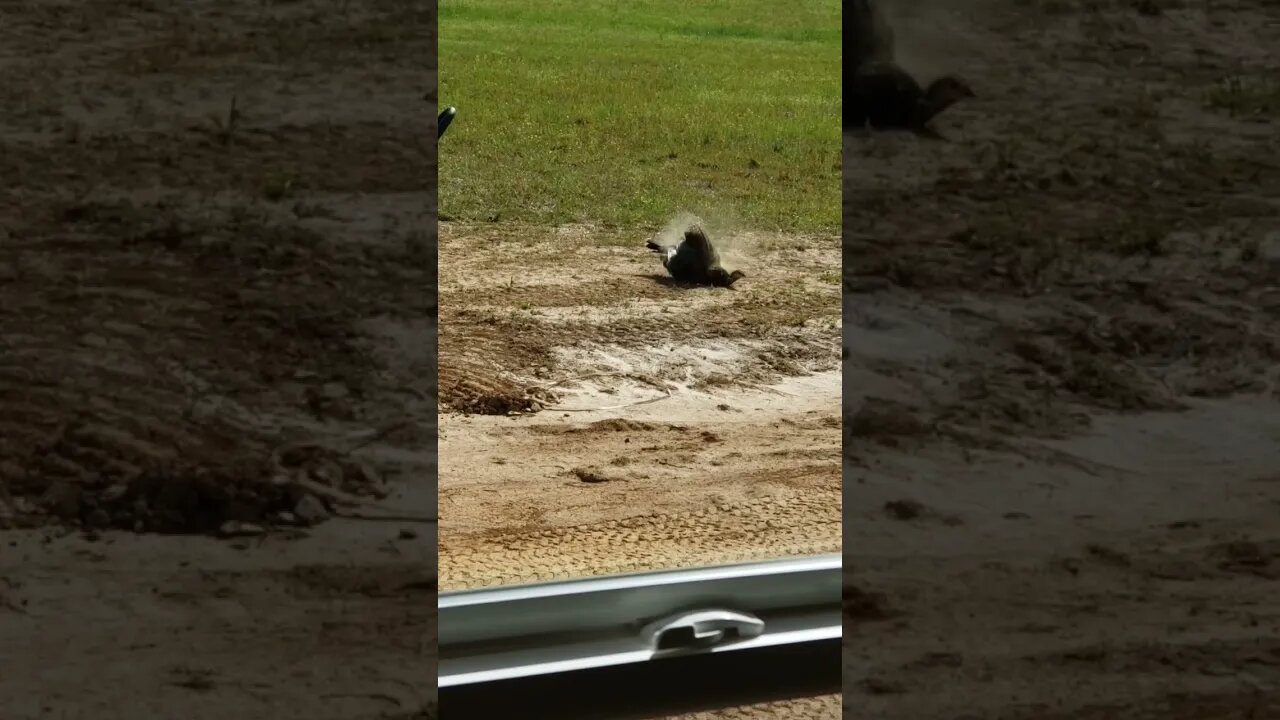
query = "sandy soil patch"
x=607 y=420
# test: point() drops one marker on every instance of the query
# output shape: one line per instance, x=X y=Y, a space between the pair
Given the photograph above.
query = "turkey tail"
x=700 y=247
x=442 y=122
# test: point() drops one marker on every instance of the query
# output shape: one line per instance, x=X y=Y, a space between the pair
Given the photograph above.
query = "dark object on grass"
x=446 y=117
x=886 y=97
x=694 y=260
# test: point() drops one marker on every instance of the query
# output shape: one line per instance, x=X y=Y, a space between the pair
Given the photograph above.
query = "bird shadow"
x=668 y=281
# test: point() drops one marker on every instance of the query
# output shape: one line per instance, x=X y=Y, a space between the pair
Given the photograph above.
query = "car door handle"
x=701 y=629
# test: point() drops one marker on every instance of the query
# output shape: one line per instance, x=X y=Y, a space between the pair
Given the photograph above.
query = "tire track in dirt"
x=769 y=528
x=750 y=409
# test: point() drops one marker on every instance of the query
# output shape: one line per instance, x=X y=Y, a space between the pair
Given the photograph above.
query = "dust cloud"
x=735 y=246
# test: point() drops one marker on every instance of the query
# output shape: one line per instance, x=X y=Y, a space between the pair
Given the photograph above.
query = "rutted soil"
x=789 y=524
x=637 y=424
x=1063 y=343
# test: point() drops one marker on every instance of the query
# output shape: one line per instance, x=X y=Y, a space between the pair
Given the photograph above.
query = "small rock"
x=904 y=509
x=115 y=492
x=63 y=500
x=861 y=605
x=587 y=475
x=881 y=686
x=365 y=476
x=1268 y=251
x=94 y=341
x=867 y=284
x=879 y=417
x=310 y=510
x=237 y=528
x=11 y=470
x=97 y=519
x=327 y=472
x=334 y=391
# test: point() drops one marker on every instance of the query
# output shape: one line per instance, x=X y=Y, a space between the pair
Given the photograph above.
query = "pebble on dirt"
x=310 y=510
x=236 y=528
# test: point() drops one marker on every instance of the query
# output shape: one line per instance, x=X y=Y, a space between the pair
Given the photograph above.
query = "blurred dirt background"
x=1062 y=338
x=217 y=359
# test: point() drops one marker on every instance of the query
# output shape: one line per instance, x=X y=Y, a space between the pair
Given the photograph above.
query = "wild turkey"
x=885 y=96
x=877 y=91
x=695 y=260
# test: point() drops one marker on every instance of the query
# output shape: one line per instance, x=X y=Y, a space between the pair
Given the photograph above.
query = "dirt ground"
x=597 y=418
x=216 y=318
x=1062 y=336
x=605 y=419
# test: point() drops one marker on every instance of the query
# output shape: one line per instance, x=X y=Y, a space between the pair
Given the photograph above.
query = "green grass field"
x=624 y=114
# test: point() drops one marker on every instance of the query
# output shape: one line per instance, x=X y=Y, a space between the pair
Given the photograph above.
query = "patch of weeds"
x=277 y=187
x=1250 y=249
x=1138 y=238
x=1154 y=8
x=242 y=215
x=224 y=126
x=1246 y=98
x=169 y=233
x=303 y=210
x=1145 y=114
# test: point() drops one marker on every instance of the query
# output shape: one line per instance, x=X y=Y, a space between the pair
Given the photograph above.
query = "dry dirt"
x=1062 y=336
x=823 y=707
x=604 y=419
x=216 y=316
